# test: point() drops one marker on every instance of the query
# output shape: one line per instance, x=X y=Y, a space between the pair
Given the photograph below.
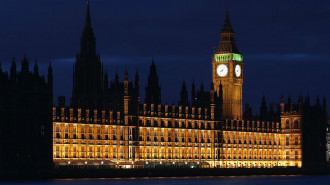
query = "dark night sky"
x=285 y=43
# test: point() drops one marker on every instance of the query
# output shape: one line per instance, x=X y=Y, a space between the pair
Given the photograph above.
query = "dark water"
x=245 y=180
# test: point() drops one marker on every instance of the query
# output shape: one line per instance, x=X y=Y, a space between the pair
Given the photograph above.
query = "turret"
x=183 y=95
x=106 y=82
x=193 y=93
x=282 y=105
x=13 y=72
x=212 y=96
x=36 y=70
x=25 y=65
x=126 y=83
x=153 y=90
x=300 y=103
x=126 y=75
x=263 y=109
x=50 y=75
x=126 y=97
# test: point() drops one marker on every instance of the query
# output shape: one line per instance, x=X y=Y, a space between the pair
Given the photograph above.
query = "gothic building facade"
x=107 y=126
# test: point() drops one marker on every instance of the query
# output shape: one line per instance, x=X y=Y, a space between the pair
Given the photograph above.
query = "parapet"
x=253 y=126
x=183 y=112
x=87 y=115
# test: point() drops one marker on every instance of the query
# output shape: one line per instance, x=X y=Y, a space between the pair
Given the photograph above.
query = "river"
x=237 y=180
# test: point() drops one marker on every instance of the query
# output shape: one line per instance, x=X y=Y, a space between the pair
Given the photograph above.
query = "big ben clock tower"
x=227 y=70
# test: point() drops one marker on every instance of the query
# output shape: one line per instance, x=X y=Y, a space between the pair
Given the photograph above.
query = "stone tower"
x=87 y=74
x=227 y=69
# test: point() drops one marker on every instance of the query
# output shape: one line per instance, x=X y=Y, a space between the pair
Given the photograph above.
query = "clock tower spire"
x=227 y=67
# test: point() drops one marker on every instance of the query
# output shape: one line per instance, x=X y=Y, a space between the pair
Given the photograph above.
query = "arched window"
x=296 y=125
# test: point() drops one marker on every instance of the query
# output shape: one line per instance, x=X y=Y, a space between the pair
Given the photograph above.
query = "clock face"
x=222 y=70
x=238 y=71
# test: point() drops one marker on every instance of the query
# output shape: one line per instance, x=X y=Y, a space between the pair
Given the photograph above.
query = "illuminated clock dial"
x=222 y=70
x=238 y=71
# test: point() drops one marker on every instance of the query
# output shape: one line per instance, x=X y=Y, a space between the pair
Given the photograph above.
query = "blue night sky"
x=285 y=43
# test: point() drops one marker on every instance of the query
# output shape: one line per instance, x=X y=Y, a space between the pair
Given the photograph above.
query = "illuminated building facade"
x=107 y=127
x=173 y=136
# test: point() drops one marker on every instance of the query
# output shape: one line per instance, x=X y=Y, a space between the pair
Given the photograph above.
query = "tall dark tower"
x=153 y=91
x=87 y=74
x=227 y=69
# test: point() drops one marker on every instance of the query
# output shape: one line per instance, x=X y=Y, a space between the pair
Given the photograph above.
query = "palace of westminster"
x=107 y=126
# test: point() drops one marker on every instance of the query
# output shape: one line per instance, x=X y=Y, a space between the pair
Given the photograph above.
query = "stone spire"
x=193 y=93
x=106 y=81
x=227 y=28
x=87 y=42
x=13 y=71
x=263 y=109
x=25 y=65
x=50 y=76
x=183 y=95
x=227 y=41
x=153 y=90
x=36 y=69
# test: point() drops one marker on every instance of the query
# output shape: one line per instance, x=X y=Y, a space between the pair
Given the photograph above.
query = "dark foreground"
x=158 y=172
